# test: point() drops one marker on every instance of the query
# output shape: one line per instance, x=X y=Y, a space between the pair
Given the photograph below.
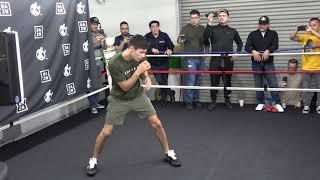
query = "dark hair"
x=138 y=42
x=124 y=22
x=293 y=61
x=194 y=12
x=154 y=21
x=314 y=19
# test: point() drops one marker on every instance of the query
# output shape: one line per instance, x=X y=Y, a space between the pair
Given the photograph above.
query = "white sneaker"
x=94 y=111
x=259 y=107
x=99 y=106
x=318 y=109
x=92 y=167
x=279 y=108
x=92 y=162
x=306 y=110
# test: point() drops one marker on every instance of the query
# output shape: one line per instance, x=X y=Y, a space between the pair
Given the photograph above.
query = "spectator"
x=261 y=43
x=311 y=37
x=221 y=37
x=191 y=38
x=291 y=80
x=121 y=41
x=99 y=43
x=160 y=43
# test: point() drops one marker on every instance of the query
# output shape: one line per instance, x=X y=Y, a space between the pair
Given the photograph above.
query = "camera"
x=182 y=39
x=101 y=32
x=128 y=35
x=302 y=28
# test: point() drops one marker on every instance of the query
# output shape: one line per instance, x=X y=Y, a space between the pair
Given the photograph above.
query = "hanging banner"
x=55 y=53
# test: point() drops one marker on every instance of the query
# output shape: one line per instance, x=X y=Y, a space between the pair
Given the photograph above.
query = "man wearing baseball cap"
x=261 y=43
x=99 y=43
x=94 y=20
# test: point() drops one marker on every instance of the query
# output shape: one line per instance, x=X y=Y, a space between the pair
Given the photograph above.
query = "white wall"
x=138 y=14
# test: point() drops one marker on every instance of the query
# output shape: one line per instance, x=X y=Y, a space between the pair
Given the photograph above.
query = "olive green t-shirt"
x=194 y=38
x=121 y=70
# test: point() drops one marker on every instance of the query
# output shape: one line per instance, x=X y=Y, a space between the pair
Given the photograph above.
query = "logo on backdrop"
x=35 y=9
x=5 y=9
x=70 y=89
x=88 y=83
x=60 y=8
x=86 y=65
x=38 y=32
x=67 y=71
x=66 y=49
x=85 y=46
x=48 y=96
x=63 y=29
x=45 y=76
x=81 y=8
x=41 y=54
x=83 y=27
x=22 y=106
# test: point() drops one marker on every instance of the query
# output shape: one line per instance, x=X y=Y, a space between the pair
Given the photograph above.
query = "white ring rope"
x=53 y=108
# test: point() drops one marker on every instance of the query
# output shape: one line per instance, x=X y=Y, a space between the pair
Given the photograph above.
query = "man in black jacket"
x=221 y=37
x=261 y=43
x=160 y=43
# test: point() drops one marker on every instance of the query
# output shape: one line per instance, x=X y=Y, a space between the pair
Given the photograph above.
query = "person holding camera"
x=121 y=41
x=191 y=39
x=160 y=43
x=99 y=43
x=221 y=37
x=290 y=80
x=261 y=43
x=310 y=40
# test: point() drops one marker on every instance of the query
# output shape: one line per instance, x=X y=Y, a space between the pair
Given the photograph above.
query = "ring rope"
x=234 y=88
x=243 y=52
x=231 y=72
x=207 y=54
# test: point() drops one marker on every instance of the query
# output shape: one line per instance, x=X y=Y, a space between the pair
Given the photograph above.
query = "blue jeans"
x=94 y=99
x=192 y=64
x=271 y=80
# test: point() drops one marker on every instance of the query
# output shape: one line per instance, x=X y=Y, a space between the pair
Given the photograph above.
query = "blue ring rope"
x=243 y=52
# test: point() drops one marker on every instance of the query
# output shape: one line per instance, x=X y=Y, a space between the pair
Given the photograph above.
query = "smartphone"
x=215 y=14
x=285 y=79
x=181 y=38
x=101 y=32
x=302 y=28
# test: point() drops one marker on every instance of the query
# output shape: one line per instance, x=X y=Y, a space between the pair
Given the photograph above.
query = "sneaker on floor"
x=198 y=104
x=306 y=110
x=279 y=108
x=171 y=158
x=259 y=107
x=92 y=167
x=228 y=103
x=163 y=102
x=189 y=106
x=212 y=106
x=172 y=96
x=94 y=111
x=318 y=109
x=99 y=106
